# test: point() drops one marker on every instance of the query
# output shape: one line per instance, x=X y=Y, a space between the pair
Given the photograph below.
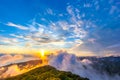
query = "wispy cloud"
x=8 y=41
x=114 y=46
x=55 y=34
x=17 y=36
x=49 y=11
x=17 y=26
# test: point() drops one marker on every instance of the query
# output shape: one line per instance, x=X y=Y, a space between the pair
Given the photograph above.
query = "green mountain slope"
x=47 y=73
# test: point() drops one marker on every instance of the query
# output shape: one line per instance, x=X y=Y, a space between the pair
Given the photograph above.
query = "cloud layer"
x=68 y=62
x=10 y=59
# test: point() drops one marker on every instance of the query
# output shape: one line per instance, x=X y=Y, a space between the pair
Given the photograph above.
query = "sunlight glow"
x=42 y=53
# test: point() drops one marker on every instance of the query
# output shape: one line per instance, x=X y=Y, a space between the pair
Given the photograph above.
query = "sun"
x=42 y=53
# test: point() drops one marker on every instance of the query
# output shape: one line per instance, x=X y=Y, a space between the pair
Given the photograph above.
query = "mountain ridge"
x=46 y=73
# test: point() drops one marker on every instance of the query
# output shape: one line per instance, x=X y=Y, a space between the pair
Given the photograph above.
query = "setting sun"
x=42 y=53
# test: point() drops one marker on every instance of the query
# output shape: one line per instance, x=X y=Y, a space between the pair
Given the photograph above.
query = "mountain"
x=110 y=65
x=46 y=73
x=28 y=64
x=102 y=68
x=14 y=69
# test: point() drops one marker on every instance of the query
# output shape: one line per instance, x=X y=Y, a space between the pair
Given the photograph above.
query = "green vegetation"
x=47 y=73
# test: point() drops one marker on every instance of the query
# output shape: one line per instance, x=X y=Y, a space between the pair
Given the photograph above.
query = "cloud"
x=8 y=41
x=55 y=32
x=61 y=33
x=69 y=62
x=92 y=40
x=114 y=46
x=55 y=27
x=17 y=26
x=12 y=71
x=86 y=61
x=17 y=36
x=49 y=11
x=8 y=59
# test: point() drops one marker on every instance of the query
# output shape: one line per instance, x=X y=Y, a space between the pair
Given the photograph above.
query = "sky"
x=81 y=27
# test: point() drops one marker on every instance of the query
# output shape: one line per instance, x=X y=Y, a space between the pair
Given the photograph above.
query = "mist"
x=68 y=62
x=9 y=64
x=7 y=59
x=11 y=71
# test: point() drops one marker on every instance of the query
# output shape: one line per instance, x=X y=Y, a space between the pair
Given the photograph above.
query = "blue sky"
x=80 y=27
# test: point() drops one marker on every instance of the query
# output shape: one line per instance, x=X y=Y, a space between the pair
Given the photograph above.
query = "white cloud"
x=32 y=28
x=8 y=41
x=54 y=32
x=17 y=36
x=69 y=62
x=17 y=26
